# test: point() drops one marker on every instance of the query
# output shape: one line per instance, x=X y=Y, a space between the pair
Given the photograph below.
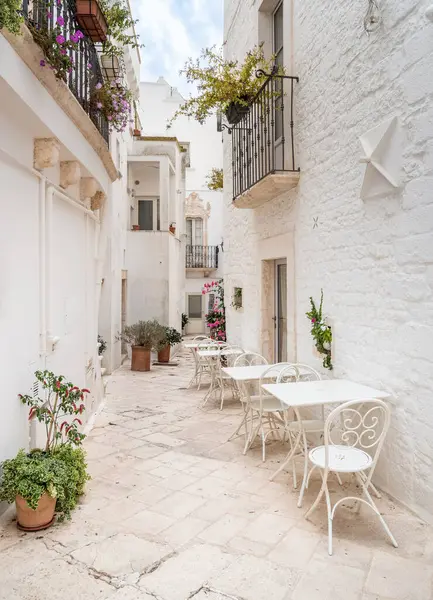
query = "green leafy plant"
x=62 y=474
x=321 y=332
x=185 y=320
x=221 y=82
x=120 y=27
x=215 y=180
x=10 y=16
x=102 y=344
x=237 y=298
x=171 y=338
x=147 y=334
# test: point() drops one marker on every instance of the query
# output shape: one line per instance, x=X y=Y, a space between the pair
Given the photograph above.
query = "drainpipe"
x=42 y=268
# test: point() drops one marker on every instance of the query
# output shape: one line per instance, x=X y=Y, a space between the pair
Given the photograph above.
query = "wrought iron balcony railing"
x=202 y=257
x=263 y=140
x=44 y=14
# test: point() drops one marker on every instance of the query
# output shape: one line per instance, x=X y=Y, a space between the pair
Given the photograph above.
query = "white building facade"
x=201 y=225
x=361 y=232
x=63 y=178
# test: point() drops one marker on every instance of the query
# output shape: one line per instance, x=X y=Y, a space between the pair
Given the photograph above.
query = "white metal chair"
x=298 y=428
x=354 y=434
x=224 y=380
x=195 y=377
x=266 y=410
x=248 y=359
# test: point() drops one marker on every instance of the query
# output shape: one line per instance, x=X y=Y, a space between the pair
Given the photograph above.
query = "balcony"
x=263 y=145
x=203 y=258
x=87 y=72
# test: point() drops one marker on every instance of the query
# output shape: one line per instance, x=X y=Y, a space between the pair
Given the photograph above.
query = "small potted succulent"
x=143 y=336
x=171 y=338
x=49 y=480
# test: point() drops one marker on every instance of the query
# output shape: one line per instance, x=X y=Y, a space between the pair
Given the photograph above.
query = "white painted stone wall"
x=372 y=258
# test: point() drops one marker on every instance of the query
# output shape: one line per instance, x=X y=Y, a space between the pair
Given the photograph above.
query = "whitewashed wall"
x=372 y=258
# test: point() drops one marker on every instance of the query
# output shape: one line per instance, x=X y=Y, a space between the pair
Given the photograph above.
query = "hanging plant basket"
x=91 y=20
x=111 y=65
x=235 y=112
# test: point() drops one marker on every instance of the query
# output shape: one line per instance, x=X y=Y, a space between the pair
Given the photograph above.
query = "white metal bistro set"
x=287 y=402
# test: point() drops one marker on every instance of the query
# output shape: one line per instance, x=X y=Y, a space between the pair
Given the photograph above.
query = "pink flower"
x=99 y=105
x=60 y=39
x=42 y=63
x=109 y=118
x=60 y=21
x=49 y=15
x=79 y=34
x=74 y=38
x=63 y=51
x=98 y=86
x=313 y=320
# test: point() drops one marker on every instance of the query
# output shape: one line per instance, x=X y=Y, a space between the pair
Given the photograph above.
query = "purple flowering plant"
x=57 y=44
x=114 y=102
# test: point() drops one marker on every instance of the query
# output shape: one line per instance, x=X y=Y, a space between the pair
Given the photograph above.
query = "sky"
x=172 y=31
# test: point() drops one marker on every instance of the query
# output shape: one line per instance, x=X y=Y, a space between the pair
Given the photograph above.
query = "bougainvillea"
x=114 y=101
x=216 y=317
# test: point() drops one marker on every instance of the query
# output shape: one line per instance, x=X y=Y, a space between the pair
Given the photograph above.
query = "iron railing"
x=263 y=140
x=202 y=257
x=43 y=14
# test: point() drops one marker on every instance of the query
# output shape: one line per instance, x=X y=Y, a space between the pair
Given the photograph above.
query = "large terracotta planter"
x=35 y=520
x=164 y=355
x=140 y=360
x=91 y=20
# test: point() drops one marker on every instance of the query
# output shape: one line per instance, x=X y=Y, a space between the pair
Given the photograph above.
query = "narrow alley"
x=174 y=512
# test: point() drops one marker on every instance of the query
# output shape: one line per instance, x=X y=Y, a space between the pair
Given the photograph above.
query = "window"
x=149 y=215
x=194 y=232
x=194 y=306
x=278 y=51
x=211 y=301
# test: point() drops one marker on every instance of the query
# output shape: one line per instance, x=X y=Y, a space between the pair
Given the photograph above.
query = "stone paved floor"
x=174 y=512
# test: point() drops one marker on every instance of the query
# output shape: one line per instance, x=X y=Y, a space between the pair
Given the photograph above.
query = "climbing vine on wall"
x=216 y=317
x=321 y=332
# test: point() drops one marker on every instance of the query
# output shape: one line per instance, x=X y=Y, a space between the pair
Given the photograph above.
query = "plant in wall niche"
x=237 y=298
x=10 y=16
x=57 y=46
x=185 y=320
x=321 y=332
x=102 y=345
x=222 y=84
x=215 y=180
x=120 y=27
x=113 y=100
x=51 y=480
x=216 y=317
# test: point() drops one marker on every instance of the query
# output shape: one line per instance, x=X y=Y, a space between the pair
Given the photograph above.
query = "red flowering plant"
x=57 y=43
x=216 y=317
x=59 y=410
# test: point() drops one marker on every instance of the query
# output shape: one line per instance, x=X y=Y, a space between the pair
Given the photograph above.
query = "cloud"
x=172 y=31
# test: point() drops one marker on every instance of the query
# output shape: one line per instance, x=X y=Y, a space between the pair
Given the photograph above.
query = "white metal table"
x=303 y=394
x=221 y=352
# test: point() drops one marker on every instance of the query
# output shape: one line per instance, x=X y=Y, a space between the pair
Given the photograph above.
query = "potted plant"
x=91 y=19
x=120 y=28
x=102 y=345
x=185 y=321
x=172 y=228
x=113 y=100
x=321 y=332
x=143 y=337
x=50 y=480
x=136 y=228
x=223 y=85
x=171 y=338
x=215 y=180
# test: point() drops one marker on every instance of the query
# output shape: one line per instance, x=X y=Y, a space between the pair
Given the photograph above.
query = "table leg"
x=289 y=457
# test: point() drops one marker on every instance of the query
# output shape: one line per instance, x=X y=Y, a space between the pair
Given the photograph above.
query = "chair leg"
x=376 y=510
x=329 y=511
x=339 y=479
x=317 y=500
x=304 y=480
x=289 y=457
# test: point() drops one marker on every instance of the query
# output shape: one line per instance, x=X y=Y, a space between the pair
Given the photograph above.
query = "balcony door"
x=280 y=318
x=194 y=243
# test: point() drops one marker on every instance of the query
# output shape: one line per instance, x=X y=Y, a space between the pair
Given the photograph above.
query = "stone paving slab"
x=176 y=512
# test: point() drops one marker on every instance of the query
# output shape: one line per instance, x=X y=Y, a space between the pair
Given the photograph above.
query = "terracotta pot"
x=91 y=20
x=136 y=228
x=35 y=520
x=164 y=355
x=140 y=359
x=137 y=132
